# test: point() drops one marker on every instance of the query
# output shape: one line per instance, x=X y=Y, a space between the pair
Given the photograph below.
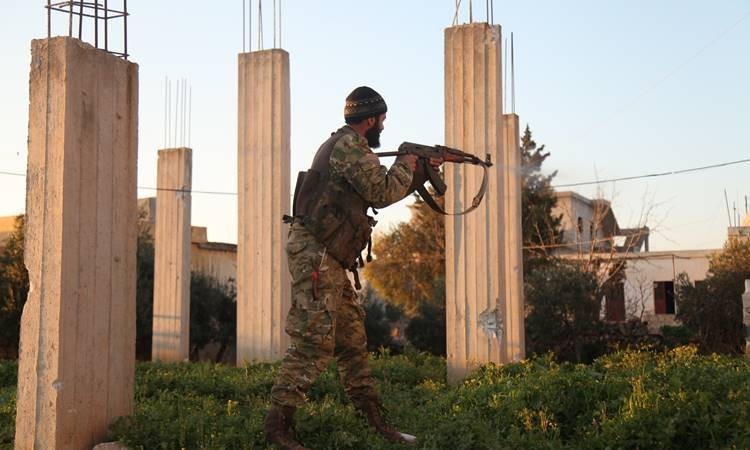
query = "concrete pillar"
x=746 y=314
x=171 y=324
x=515 y=341
x=77 y=352
x=475 y=259
x=263 y=286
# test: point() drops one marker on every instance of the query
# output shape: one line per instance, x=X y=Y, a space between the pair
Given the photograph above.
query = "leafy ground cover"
x=629 y=400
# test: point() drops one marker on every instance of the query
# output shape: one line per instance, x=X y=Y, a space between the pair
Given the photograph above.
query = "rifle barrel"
x=389 y=153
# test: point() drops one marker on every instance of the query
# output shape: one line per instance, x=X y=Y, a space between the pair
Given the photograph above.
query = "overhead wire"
x=653 y=175
x=610 y=180
x=12 y=174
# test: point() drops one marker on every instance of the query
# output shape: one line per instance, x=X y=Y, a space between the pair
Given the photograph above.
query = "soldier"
x=330 y=228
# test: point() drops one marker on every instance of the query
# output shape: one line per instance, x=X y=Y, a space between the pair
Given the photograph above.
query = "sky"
x=612 y=89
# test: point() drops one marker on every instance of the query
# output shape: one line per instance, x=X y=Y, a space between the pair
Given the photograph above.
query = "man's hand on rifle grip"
x=436 y=163
x=409 y=160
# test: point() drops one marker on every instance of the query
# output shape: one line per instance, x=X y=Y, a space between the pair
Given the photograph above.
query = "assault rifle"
x=447 y=154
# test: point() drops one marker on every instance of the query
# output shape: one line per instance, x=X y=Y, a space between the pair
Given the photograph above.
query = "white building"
x=590 y=230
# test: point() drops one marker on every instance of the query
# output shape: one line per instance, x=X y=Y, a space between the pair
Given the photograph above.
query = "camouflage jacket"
x=353 y=164
x=345 y=179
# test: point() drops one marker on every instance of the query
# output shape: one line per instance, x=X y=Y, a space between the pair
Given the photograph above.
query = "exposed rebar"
x=260 y=24
x=274 y=23
x=106 y=26
x=512 y=76
x=95 y=10
x=80 y=19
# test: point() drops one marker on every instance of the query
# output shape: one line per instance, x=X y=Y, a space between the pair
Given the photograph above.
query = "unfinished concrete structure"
x=214 y=259
x=515 y=342
x=478 y=312
x=263 y=295
x=171 y=320
x=77 y=359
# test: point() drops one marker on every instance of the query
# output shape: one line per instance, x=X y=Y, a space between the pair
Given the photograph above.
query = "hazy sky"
x=613 y=88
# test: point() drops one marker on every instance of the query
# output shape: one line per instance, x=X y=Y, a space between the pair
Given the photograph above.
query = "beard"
x=373 y=135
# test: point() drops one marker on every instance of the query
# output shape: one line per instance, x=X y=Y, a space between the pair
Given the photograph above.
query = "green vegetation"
x=713 y=309
x=627 y=400
x=563 y=310
x=14 y=287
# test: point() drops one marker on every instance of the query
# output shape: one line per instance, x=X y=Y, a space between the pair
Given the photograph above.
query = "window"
x=664 y=297
x=580 y=227
x=614 y=306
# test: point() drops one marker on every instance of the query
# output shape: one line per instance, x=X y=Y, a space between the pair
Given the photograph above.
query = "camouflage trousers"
x=325 y=321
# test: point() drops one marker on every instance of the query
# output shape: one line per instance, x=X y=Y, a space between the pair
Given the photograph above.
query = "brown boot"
x=372 y=410
x=278 y=428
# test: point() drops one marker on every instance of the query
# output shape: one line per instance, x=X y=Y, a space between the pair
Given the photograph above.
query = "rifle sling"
x=427 y=197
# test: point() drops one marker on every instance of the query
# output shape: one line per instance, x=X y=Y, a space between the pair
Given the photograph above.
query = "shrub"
x=714 y=308
x=563 y=309
x=626 y=400
x=426 y=331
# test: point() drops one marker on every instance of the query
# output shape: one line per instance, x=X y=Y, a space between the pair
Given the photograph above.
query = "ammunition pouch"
x=337 y=218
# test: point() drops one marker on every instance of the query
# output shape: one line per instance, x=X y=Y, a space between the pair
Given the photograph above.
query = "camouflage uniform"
x=325 y=319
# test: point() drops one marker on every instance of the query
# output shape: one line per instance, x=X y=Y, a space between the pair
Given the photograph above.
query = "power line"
x=190 y=191
x=148 y=188
x=653 y=175
x=13 y=174
x=585 y=183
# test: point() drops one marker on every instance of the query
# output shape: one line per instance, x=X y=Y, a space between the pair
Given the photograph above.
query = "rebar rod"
x=106 y=26
x=80 y=19
x=125 y=20
x=96 y=23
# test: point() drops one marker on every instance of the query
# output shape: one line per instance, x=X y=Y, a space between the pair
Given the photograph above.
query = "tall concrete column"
x=263 y=286
x=515 y=341
x=475 y=267
x=171 y=324
x=77 y=352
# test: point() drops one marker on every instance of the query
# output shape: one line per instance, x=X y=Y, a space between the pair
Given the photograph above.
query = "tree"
x=562 y=309
x=713 y=309
x=410 y=264
x=426 y=331
x=541 y=229
x=379 y=317
x=14 y=288
x=213 y=315
x=144 y=293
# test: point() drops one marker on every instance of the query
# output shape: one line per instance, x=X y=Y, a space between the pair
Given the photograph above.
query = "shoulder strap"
x=474 y=203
